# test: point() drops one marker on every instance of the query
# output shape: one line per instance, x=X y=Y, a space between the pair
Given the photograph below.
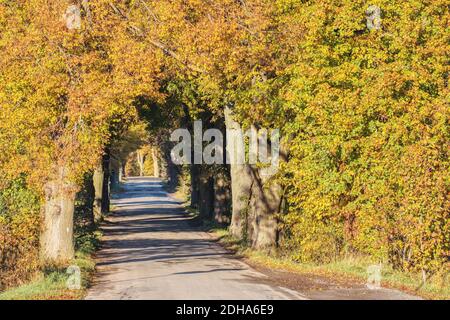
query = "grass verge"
x=51 y=283
x=349 y=269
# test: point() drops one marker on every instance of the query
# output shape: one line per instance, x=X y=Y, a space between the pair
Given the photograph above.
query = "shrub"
x=19 y=231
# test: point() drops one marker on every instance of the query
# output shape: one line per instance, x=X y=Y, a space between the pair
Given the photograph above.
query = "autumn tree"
x=63 y=87
x=362 y=109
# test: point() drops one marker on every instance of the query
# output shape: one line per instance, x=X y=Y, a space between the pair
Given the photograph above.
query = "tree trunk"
x=206 y=195
x=155 y=163
x=222 y=198
x=173 y=173
x=89 y=201
x=241 y=182
x=115 y=168
x=121 y=172
x=266 y=203
x=194 y=186
x=241 y=186
x=164 y=162
x=263 y=207
x=140 y=160
x=56 y=239
x=168 y=170
x=105 y=187
x=98 y=193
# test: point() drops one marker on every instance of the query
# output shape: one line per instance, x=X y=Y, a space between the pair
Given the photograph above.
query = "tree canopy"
x=364 y=112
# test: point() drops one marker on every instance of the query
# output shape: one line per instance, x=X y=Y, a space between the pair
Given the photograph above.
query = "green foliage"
x=369 y=158
x=19 y=232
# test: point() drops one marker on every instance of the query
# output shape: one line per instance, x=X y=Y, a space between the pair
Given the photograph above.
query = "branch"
x=158 y=44
x=85 y=5
x=150 y=12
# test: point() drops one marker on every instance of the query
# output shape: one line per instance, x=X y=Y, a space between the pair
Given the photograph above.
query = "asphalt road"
x=150 y=251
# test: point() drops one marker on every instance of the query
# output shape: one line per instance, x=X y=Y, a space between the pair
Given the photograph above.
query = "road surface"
x=150 y=251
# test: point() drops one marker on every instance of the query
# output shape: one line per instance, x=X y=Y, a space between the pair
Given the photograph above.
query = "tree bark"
x=106 y=179
x=168 y=170
x=56 y=241
x=241 y=186
x=172 y=174
x=89 y=201
x=98 y=193
x=155 y=158
x=222 y=198
x=266 y=203
x=263 y=207
x=241 y=183
x=194 y=185
x=121 y=172
x=163 y=164
x=140 y=161
x=206 y=195
x=115 y=172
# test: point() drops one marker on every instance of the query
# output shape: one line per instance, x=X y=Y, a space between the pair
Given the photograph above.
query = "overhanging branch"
x=158 y=44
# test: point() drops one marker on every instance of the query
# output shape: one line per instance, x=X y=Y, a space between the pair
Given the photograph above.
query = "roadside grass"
x=51 y=282
x=349 y=269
